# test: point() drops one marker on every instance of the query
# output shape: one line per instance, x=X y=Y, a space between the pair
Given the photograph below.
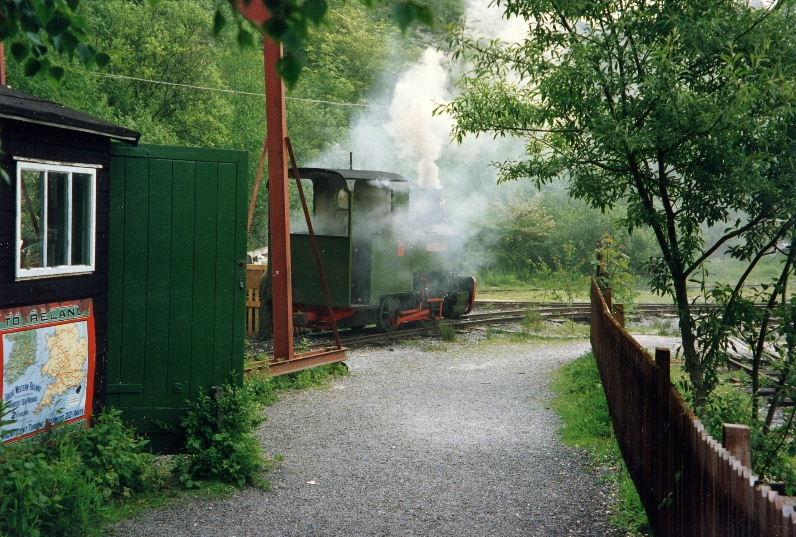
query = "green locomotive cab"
x=382 y=264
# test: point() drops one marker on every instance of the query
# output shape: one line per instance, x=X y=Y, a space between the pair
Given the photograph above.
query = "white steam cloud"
x=417 y=133
x=401 y=134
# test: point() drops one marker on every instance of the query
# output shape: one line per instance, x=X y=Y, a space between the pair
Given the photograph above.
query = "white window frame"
x=60 y=270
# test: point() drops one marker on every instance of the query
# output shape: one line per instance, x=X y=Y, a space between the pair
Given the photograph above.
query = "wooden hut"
x=54 y=259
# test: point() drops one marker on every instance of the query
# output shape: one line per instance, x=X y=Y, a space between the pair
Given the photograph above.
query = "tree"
x=682 y=110
x=38 y=27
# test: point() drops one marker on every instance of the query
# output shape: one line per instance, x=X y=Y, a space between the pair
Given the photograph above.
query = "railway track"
x=485 y=314
x=551 y=312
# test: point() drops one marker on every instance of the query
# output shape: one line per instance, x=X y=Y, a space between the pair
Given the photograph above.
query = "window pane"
x=57 y=215
x=81 y=219
x=32 y=205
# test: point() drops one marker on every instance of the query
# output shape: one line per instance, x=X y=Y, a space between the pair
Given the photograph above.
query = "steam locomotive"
x=385 y=250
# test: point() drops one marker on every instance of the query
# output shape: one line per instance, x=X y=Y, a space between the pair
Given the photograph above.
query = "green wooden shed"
x=176 y=318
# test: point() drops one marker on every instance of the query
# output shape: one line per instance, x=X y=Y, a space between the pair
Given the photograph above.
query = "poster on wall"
x=47 y=376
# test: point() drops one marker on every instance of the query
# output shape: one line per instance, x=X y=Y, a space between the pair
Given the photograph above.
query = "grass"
x=655 y=327
x=268 y=388
x=536 y=291
x=166 y=497
x=538 y=331
x=581 y=404
x=721 y=269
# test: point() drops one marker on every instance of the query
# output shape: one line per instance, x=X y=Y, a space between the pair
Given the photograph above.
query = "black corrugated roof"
x=23 y=107
x=356 y=175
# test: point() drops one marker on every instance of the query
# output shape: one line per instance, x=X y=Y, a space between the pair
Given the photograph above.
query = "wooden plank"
x=204 y=282
x=158 y=281
x=254 y=274
x=226 y=275
x=136 y=226
x=241 y=240
x=191 y=154
x=116 y=269
x=253 y=304
x=182 y=277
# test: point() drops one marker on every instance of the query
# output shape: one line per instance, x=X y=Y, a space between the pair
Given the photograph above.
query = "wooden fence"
x=254 y=273
x=689 y=484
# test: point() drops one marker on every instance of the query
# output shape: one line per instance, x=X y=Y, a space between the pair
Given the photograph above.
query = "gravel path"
x=420 y=439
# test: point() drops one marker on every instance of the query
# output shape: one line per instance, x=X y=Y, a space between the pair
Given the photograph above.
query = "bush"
x=447 y=331
x=39 y=496
x=220 y=441
x=59 y=484
x=114 y=456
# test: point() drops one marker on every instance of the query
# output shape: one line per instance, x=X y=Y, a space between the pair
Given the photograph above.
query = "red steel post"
x=2 y=64
x=279 y=204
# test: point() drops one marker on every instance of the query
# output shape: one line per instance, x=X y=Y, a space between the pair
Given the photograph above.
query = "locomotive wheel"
x=389 y=309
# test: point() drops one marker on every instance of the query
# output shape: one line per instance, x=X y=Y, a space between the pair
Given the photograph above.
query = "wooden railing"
x=689 y=484
x=254 y=273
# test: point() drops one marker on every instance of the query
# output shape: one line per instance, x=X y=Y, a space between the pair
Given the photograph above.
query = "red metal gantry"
x=285 y=360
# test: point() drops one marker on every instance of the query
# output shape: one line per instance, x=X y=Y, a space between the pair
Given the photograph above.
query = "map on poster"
x=47 y=365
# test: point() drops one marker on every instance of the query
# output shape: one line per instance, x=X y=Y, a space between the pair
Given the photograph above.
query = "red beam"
x=2 y=64
x=279 y=204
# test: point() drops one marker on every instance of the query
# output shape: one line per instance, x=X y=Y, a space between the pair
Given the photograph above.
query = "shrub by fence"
x=689 y=484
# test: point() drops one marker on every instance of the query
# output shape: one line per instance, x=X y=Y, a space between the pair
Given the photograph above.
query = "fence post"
x=738 y=441
x=666 y=483
x=619 y=314
x=663 y=360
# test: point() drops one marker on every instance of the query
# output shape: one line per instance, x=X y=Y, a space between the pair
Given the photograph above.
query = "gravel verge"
x=421 y=439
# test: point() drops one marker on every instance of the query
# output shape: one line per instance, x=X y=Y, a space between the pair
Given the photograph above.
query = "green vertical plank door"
x=226 y=280
x=158 y=280
x=182 y=276
x=239 y=313
x=116 y=275
x=176 y=308
x=204 y=276
x=136 y=203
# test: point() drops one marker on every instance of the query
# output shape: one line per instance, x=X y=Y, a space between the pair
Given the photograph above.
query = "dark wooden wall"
x=49 y=143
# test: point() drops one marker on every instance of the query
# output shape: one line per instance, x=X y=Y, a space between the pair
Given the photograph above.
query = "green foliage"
x=34 y=28
x=447 y=331
x=60 y=484
x=581 y=404
x=524 y=238
x=533 y=321
x=513 y=236
x=565 y=273
x=266 y=388
x=682 y=113
x=42 y=496
x=220 y=442
x=115 y=456
x=612 y=266
x=291 y=23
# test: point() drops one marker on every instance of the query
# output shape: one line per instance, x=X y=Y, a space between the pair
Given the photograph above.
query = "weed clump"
x=219 y=438
x=447 y=331
x=532 y=322
x=266 y=388
x=60 y=484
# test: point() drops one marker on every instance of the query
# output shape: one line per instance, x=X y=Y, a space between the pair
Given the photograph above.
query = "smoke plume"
x=417 y=133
